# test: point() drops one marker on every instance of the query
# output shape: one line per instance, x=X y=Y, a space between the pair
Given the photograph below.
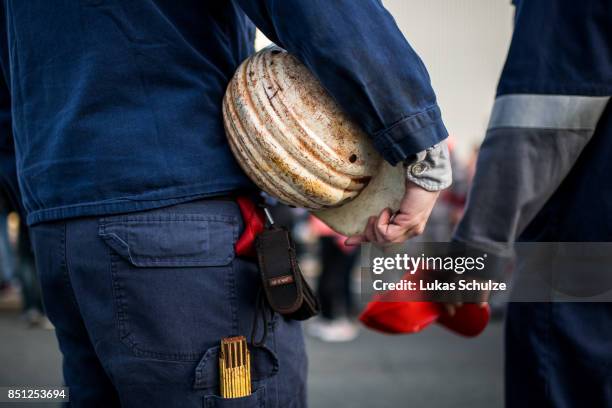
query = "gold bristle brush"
x=235 y=367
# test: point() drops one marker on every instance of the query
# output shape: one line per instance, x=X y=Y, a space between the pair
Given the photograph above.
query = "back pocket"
x=172 y=281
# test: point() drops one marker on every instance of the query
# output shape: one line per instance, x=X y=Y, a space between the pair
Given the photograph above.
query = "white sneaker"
x=333 y=331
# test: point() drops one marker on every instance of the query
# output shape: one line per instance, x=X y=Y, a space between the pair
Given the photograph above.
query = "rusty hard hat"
x=293 y=140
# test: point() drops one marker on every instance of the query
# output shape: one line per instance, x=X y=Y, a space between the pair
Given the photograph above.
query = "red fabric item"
x=388 y=314
x=254 y=223
x=412 y=317
x=469 y=320
x=399 y=317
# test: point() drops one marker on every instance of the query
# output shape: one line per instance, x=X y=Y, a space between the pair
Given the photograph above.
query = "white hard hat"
x=293 y=140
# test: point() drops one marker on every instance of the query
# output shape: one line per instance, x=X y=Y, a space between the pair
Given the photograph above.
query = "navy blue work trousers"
x=140 y=302
x=559 y=355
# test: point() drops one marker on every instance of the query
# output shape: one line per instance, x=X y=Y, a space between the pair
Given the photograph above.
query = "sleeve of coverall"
x=360 y=56
x=532 y=143
x=8 y=170
x=552 y=93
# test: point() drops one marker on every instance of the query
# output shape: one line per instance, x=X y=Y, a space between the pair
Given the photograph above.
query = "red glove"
x=388 y=314
x=411 y=317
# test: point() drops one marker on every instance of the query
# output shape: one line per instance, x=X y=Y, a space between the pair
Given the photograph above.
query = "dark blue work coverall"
x=544 y=175
x=110 y=120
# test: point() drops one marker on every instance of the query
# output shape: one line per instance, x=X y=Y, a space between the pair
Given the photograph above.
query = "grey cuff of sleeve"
x=431 y=169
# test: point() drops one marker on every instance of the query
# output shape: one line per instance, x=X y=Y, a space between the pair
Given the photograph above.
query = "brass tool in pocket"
x=234 y=367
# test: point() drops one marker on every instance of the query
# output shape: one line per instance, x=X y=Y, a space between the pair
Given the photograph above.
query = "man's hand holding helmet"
x=427 y=173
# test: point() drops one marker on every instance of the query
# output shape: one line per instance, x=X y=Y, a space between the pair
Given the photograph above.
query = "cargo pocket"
x=172 y=281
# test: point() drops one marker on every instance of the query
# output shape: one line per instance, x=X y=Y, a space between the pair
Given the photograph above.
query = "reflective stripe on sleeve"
x=547 y=111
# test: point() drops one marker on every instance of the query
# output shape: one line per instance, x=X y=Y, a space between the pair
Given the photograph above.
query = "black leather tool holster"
x=284 y=285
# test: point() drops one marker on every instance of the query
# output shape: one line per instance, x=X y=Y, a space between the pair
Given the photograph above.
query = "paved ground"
x=434 y=369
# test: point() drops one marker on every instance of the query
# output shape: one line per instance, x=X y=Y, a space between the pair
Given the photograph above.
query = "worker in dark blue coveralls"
x=111 y=132
x=543 y=175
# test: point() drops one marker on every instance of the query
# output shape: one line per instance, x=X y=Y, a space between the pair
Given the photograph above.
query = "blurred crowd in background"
x=332 y=266
x=19 y=286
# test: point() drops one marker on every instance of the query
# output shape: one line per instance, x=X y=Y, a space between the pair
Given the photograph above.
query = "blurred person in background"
x=27 y=276
x=337 y=262
x=449 y=207
x=17 y=260
x=6 y=252
x=456 y=197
